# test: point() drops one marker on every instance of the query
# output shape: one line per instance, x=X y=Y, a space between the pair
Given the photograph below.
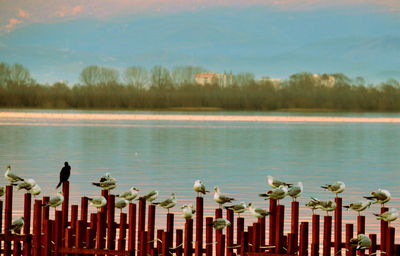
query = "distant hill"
x=259 y=40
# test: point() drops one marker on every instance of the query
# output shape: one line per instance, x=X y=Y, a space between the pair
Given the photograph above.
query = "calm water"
x=237 y=156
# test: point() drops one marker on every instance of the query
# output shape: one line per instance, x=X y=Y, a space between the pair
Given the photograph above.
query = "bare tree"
x=19 y=75
x=160 y=77
x=186 y=74
x=95 y=75
x=4 y=74
x=136 y=76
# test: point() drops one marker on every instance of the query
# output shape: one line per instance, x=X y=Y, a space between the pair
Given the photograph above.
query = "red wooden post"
x=59 y=231
x=250 y=238
x=100 y=230
x=390 y=241
x=143 y=242
x=27 y=218
x=165 y=242
x=315 y=235
x=303 y=246
x=372 y=249
x=294 y=227
x=68 y=243
x=151 y=222
x=132 y=227
x=256 y=237
x=45 y=210
x=229 y=232
x=218 y=233
x=261 y=221
x=170 y=228
x=141 y=219
x=239 y=230
x=179 y=242
x=280 y=214
x=8 y=218
x=349 y=235
x=209 y=236
x=111 y=233
x=188 y=238
x=74 y=217
x=272 y=221
x=338 y=227
x=17 y=248
x=84 y=209
x=199 y=222
x=291 y=249
x=104 y=193
x=1 y=215
x=48 y=232
x=244 y=245
x=384 y=226
x=91 y=236
x=65 y=205
x=122 y=232
x=222 y=247
x=326 y=246
x=360 y=224
x=79 y=233
x=160 y=233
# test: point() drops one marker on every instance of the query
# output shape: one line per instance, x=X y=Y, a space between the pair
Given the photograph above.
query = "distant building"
x=211 y=78
x=325 y=79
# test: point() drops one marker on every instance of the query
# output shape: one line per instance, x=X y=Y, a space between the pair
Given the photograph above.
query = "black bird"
x=64 y=174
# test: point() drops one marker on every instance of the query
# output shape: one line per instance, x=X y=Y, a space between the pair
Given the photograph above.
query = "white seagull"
x=276 y=183
x=36 y=190
x=220 y=198
x=362 y=242
x=11 y=177
x=130 y=195
x=258 y=212
x=221 y=223
x=167 y=203
x=55 y=201
x=106 y=182
x=313 y=204
x=325 y=205
x=388 y=216
x=380 y=196
x=237 y=208
x=276 y=193
x=17 y=225
x=121 y=203
x=358 y=206
x=199 y=188
x=188 y=211
x=337 y=187
x=150 y=196
x=27 y=184
x=295 y=190
x=98 y=202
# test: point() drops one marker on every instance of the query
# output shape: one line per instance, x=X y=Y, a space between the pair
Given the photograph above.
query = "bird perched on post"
x=221 y=223
x=130 y=195
x=358 y=206
x=388 y=216
x=361 y=242
x=237 y=208
x=258 y=212
x=55 y=201
x=64 y=174
x=167 y=203
x=313 y=204
x=380 y=196
x=276 y=193
x=188 y=211
x=276 y=183
x=12 y=177
x=150 y=197
x=36 y=190
x=199 y=188
x=17 y=225
x=27 y=184
x=220 y=198
x=337 y=187
x=106 y=182
x=295 y=190
x=98 y=202
x=121 y=203
x=326 y=205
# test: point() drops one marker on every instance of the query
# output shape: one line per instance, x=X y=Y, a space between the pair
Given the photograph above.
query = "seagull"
x=381 y=196
x=258 y=212
x=388 y=216
x=358 y=206
x=130 y=195
x=2 y=190
x=188 y=211
x=276 y=193
x=295 y=190
x=337 y=187
x=150 y=196
x=17 y=225
x=27 y=184
x=11 y=177
x=221 y=199
x=237 y=208
x=64 y=174
x=221 y=223
x=121 y=203
x=167 y=203
x=55 y=200
x=36 y=190
x=362 y=242
x=106 y=182
x=98 y=202
x=199 y=188
x=313 y=204
x=326 y=206
x=276 y=183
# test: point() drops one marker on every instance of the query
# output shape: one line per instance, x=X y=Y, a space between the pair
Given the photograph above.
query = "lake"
x=234 y=150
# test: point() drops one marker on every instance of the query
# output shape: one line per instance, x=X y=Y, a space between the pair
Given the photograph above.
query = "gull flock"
x=279 y=190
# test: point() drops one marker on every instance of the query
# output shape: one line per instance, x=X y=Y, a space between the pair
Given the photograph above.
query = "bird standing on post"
x=11 y=177
x=199 y=188
x=17 y=225
x=337 y=187
x=64 y=174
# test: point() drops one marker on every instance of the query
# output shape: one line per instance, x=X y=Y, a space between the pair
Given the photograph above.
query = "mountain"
x=260 y=40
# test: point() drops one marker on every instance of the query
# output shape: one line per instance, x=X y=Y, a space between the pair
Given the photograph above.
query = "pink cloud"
x=23 y=13
x=12 y=23
x=77 y=9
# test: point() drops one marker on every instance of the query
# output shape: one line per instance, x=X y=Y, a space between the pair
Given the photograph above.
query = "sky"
x=56 y=39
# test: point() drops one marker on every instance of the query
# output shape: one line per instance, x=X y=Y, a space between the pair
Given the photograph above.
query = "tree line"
x=158 y=88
